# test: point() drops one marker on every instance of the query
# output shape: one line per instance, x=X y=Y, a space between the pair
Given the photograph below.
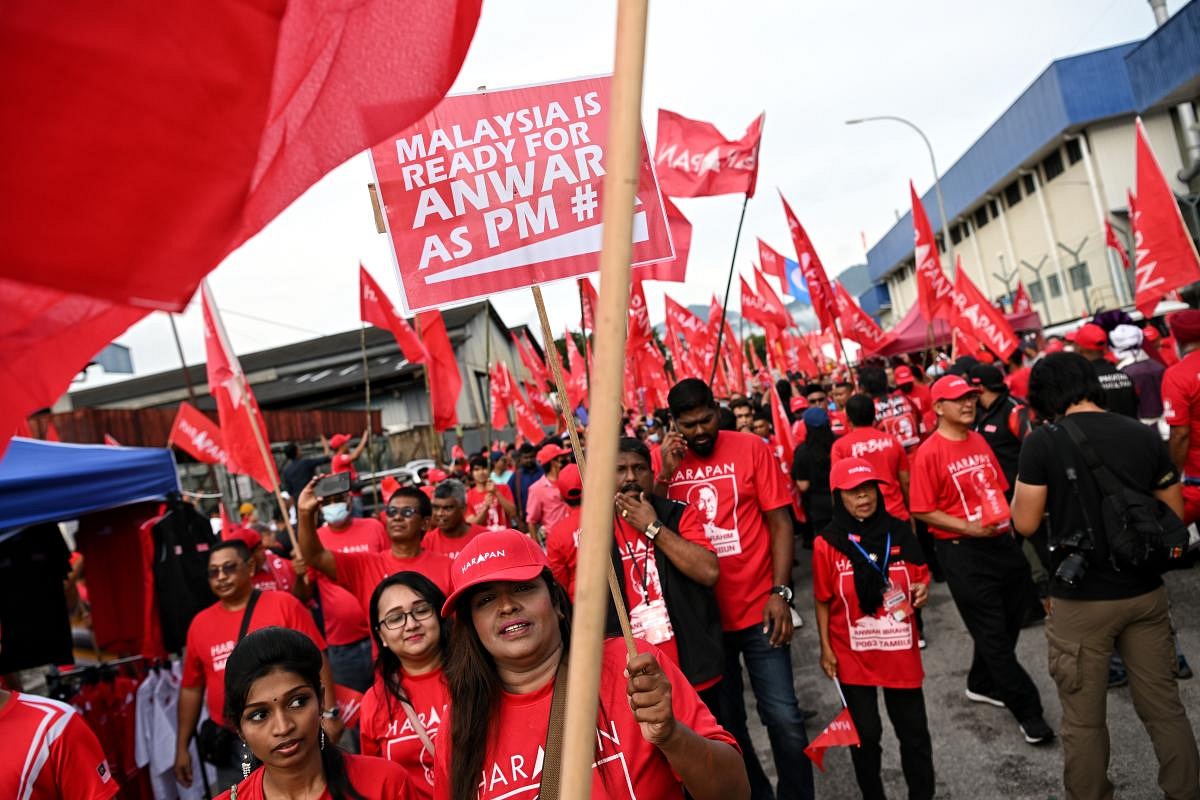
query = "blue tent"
x=54 y=481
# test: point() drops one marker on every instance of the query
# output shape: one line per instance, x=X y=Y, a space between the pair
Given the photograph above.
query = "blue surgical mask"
x=335 y=513
x=654 y=437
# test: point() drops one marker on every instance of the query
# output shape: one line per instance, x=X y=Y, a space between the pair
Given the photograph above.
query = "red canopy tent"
x=911 y=334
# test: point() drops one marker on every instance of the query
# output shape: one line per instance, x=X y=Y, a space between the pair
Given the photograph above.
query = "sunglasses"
x=392 y=512
x=226 y=569
x=396 y=621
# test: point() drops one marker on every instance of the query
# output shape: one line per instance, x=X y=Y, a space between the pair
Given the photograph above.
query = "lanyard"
x=887 y=554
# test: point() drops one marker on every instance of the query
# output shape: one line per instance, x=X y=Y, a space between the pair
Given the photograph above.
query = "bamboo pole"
x=362 y=341
x=622 y=154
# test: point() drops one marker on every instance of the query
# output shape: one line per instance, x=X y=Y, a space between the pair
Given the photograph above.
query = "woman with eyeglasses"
x=273 y=700
x=403 y=712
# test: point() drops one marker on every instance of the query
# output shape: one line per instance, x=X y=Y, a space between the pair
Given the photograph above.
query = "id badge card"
x=896 y=603
x=650 y=621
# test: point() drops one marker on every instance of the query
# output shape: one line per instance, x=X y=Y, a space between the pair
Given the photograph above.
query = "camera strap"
x=1105 y=480
x=1073 y=475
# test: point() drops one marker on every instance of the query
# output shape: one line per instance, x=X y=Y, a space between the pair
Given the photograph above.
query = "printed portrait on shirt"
x=716 y=501
x=976 y=481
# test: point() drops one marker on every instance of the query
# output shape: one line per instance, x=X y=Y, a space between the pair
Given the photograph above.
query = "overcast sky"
x=949 y=66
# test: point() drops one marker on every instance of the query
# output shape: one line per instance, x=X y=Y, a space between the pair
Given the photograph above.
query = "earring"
x=245 y=760
x=322 y=738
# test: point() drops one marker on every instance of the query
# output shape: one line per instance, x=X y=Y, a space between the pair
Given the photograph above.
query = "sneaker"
x=921 y=643
x=1183 y=670
x=1117 y=677
x=983 y=698
x=1036 y=731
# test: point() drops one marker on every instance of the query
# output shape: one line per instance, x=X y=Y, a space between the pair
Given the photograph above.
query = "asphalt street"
x=978 y=751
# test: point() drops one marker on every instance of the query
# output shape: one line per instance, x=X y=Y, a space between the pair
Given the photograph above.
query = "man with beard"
x=750 y=503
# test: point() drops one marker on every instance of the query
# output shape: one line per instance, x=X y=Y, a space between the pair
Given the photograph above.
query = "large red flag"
x=640 y=329
x=540 y=403
x=588 y=301
x=375 y=309
x=527 y=421
x=196 y=434
x=819 y=289
x=500 y=392
x=856 y=323
x=773 y=263
x=674 y=270
x=445 y=381
x=693 y=159
x=688 y=324
x=934 y=289
x=1166 y=256
x=840 y=732
x=975 y=312
x=1021 y=302
x=783 y=427
x=575 y=374
x=242 y=429
x=1112 y=240
x=753 y=307
x=779 y=313
x=532 y=361
x=963 y=342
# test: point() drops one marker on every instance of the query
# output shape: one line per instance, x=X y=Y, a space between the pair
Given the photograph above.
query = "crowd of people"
x=1054 y=486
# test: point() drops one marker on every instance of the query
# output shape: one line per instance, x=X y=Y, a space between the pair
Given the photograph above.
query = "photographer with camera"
x=1113 y=500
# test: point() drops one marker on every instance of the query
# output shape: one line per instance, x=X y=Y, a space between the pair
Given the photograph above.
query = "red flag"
x=753 y=307
x=574 y=374
x=673 y=270
x=693 y=159
x=242 y=426
x=779 y=313
x=375 y=309
x=783 y=426
x=963 y=342
x=196 y=434
x=1021 y=303
x=856 y=323
x=500 y=391
x=1166 y=256
x=445 y=382
x=527 y=421
x=934 y=289
x=588 y=301
x=111 y=441
x=691 y=327
x=640 y=329
x=540 y=403
x=773 y=263
x=974 y=312
x=838 y=733
x=1112 y=240
x=52 y=433
x=532 y=361
x=819 y=289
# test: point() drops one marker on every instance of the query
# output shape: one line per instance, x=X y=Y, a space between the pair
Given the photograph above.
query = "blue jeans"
x=770 y=670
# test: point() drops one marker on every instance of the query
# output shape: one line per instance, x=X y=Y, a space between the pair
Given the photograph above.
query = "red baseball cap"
x=903 y=375
x=798 y=403
x=952 y=387
x=848 y=473
x=504 y=555
x=388 y=487
x=338 y=439
x=240 y=533
x=1053 y=346
x=570 y=482
x=435 y=476
x=1091 y=337
x=550 y=452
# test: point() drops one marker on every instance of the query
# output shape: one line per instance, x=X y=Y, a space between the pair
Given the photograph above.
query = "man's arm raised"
x=314 y=553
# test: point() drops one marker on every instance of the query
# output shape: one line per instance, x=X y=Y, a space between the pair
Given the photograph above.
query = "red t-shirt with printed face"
x=50 y=753
x=276 y=575
x=871 y=651
x=1181 y=405
x=731 y=490
x=360 y=573
x=496 y=519
x=953 y=476
x=562 y=549
x=344 y=620
x=213 y=634
x=627 y=765
x=438 y=542
x=373 y=778
x=385 y=731
x=885 y=453
x=897 y=415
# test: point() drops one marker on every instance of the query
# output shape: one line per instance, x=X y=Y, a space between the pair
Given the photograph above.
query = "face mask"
x=335 y=513
x=654 y=437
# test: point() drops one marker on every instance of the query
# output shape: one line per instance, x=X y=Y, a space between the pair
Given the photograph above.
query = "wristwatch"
x=653 y=528
x=783 y=591
x=333 y=713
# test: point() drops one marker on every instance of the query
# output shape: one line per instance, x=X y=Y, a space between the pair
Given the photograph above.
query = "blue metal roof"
x=1165 y=68
x=1070 y=93
x=876 y=298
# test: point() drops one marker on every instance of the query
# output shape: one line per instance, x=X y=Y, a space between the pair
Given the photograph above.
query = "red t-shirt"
x=896 y=414
x=1018 y=382
x=731 y=490
x=360 y=573
x=885 y=453
x=876 y=650
x=384 y=729
x=277 y=575
x=562 y=549
x=1181 y=405
x=213 y=634
x=50 y=753
x=438 y=542
x=496 y=519
x=373 y=778
x=345 y=622
x=953 y=476
x=627 y=766
x=343 y=463
x=838 y=424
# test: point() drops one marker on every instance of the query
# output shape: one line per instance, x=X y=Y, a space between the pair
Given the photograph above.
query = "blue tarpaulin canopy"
x=54 y=481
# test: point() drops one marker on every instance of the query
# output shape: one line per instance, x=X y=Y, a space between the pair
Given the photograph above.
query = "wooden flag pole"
x=614 y=586
x=622 y=154
x=268 y=462
x=362 y=341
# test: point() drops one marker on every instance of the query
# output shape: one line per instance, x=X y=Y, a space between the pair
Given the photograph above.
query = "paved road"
x=978 y=751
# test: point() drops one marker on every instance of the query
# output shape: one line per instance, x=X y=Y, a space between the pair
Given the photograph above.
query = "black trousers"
x=906 y=710
x=990 y=583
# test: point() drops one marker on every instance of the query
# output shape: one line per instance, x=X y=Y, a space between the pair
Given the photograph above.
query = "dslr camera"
x=1078 y=548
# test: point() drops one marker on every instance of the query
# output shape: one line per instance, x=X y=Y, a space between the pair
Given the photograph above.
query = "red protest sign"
x=502 y=189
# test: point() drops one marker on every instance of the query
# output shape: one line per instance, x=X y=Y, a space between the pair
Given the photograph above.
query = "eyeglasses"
x=226 y=569
x=396 y=621
x=408 y=512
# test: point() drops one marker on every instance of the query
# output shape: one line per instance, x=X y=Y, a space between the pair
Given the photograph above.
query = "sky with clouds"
x=951 y=67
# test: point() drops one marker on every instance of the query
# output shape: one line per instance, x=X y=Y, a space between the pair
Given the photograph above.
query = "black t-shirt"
x=808 y=465
x=297 y=474
x=1119 y=395
x=1137 y=457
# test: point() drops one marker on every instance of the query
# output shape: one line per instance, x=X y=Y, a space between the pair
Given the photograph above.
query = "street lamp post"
x=937 y=182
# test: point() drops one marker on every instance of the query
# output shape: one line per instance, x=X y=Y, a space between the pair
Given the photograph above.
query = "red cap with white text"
x=504 y=555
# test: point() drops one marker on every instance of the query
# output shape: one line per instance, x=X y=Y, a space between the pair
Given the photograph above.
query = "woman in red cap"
x=654 y=737
x=868 y=576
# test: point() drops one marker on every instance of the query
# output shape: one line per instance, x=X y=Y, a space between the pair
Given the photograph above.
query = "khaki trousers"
x=1080 y=636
